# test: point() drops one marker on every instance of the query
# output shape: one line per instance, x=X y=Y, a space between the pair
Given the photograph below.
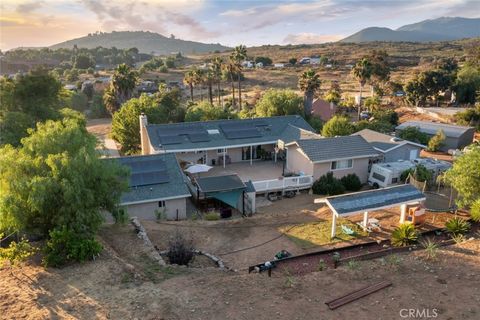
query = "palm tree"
x=209 y=79
x=189 y=80
x=239 y=54
x=200 y=80
x=231 y=68
x=362 y=72
x=121 y=87
x=217 y=64
x=309 y=83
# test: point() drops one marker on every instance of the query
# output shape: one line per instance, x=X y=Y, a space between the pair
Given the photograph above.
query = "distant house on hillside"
x=323 y=109
x=457 y=137
x=391 y=148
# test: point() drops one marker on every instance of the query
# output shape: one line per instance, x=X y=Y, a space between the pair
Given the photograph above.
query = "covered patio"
x=256 y=171
x=372 y=200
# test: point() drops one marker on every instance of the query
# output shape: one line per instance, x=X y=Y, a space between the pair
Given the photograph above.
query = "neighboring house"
x=156 y=184
x=340 y=155
x=146 y=87
x=391 y=148
x=323 y=109
x=457 y=137
x=223 y=141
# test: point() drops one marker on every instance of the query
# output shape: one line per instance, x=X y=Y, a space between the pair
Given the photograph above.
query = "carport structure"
x=228 y=189
x=371 y=200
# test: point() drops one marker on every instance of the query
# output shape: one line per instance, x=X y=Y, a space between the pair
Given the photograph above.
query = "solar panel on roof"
x=171 y=139
x=201 y=137
x=147 y=166
x=242 y=134
x=148 y=178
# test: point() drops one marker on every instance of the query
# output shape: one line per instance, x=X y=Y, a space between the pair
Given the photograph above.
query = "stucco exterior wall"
x=360 y=168
x=297 y=162
x=146 y=211
x=401 y=153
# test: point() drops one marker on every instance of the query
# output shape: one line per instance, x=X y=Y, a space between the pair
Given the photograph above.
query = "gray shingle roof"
x=381 y=141
x=285 y=128
x=328 y=149
x=432 y=128
x=374 y=199
x=220 y=183
x=175 y=187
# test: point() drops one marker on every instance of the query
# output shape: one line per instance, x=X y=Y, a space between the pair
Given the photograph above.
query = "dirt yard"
x=124 y=284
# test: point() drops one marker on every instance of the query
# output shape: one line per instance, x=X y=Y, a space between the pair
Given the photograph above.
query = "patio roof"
x=353 y=203
x=220 y=183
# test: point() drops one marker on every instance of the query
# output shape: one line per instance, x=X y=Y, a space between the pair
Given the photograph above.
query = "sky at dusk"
x=46 y=22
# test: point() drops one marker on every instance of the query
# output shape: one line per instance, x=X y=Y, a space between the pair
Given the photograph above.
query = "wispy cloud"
x=311 y=38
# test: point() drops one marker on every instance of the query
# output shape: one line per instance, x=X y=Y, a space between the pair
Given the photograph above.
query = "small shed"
x=457 y=137
x=371 y=200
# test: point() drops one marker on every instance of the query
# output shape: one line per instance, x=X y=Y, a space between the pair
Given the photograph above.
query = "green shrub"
x=457 y=226
x=431 y=249
x=16 y=252
x=120 y=216
x=66 y=245
x=475 y=211
x=180 y=250
x=414 y=134
x=328 y=185
x=212 y=216
x=98 y=109
x=404 y=235
x=163 y=69
x=351 y=182
x=161 y=214
x=437 y=141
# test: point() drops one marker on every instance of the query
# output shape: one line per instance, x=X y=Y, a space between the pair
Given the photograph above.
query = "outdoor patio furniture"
x=348 y=231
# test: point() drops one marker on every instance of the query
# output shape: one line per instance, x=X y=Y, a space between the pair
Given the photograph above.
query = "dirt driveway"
x=101 y=128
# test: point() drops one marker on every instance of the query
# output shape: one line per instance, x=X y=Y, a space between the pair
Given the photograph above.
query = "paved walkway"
x=110 y=148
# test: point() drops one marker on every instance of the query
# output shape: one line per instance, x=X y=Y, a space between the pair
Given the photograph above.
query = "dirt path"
x=101 y=128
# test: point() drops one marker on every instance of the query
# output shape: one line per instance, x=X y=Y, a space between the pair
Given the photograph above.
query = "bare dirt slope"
x=122 y=284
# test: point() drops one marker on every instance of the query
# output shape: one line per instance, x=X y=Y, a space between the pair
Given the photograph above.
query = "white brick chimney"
x=144 y=141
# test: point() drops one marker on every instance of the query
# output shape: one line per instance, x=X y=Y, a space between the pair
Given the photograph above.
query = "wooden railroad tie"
x=357 y=294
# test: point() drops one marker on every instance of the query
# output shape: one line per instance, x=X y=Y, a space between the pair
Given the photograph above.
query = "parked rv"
x=388 y=173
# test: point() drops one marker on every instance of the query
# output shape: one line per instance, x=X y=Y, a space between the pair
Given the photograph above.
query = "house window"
x=394 y=180
x=161 y=204
x=220 y=151
x=378 y=176
x=342 y=164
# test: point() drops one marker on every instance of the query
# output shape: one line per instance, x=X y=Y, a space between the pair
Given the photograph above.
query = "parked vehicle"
x=387 y=174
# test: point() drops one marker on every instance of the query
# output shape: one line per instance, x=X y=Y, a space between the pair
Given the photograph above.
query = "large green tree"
x=464 y=176
x=161 y=108
x=205 y=111
x=338 y=126
x=276 y=102
x=309 y=82
x=58 y=180
x=121 y=87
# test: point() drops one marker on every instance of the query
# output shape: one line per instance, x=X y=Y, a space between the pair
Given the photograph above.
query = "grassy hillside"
x=146 y=42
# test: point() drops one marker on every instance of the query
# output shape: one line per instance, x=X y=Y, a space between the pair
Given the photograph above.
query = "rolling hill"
x=441 y=29
x=145 y=41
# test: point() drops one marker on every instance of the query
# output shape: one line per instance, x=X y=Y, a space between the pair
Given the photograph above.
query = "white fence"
x=299 y=182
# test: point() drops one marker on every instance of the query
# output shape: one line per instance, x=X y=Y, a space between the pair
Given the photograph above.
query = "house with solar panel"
x=156 y=184
x=253 y=149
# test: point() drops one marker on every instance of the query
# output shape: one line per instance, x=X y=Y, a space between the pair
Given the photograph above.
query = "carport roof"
x=220 y=183
x=348 y=204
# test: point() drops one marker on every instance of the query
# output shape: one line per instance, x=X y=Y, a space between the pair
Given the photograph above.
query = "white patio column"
x=224 y=154
x=251 y=155
x=403 y=212
x=334 y=225
x=365 y=220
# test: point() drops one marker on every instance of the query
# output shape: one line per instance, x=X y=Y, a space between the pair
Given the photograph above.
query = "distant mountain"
x=441 y=29
x=145 y=41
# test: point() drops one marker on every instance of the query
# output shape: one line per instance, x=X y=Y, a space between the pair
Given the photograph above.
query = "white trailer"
x=387 y=174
